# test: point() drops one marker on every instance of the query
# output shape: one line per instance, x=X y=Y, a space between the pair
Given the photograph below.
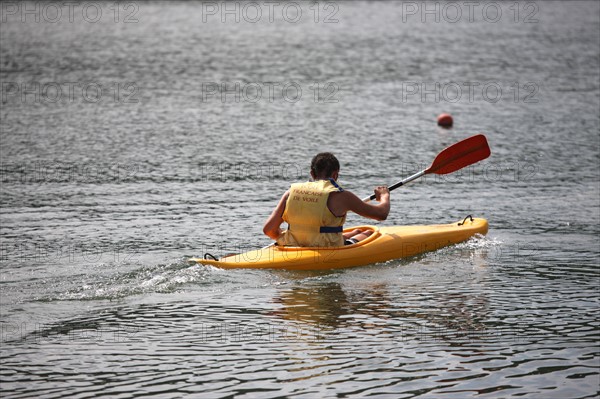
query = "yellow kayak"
x=386 y=243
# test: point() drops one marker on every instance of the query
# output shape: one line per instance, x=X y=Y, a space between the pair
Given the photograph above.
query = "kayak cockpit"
x=374 y=235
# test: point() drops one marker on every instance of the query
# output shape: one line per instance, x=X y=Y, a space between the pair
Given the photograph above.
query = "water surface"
x=103 y=200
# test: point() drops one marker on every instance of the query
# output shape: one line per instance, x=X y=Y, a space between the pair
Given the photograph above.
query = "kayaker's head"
x=324 y=166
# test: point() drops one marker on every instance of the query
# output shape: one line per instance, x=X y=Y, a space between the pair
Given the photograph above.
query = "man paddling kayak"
x=316 y=211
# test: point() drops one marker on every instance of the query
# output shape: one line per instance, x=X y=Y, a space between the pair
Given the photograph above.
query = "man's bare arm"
x=350 y=202
x=272 y=226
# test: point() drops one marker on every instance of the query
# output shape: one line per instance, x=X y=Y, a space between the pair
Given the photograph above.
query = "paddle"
x=451 y=159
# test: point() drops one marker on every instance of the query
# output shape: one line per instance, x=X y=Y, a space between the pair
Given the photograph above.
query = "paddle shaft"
x=398 y=184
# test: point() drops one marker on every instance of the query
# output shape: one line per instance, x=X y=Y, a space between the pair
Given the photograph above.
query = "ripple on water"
x=102 y=202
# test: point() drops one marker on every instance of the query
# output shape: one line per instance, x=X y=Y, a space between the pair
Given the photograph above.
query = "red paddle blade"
x=459 y=155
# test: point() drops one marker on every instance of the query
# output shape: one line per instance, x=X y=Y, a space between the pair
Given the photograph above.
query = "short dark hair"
x=324 y=163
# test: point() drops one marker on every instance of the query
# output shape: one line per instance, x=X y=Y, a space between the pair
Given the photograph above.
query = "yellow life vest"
x=311 y=223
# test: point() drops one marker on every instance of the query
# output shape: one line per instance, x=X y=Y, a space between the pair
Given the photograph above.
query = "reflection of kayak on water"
x=323 y=308
x=386 y=243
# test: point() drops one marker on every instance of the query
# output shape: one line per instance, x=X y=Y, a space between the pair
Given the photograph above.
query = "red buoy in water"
x=445 y=120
